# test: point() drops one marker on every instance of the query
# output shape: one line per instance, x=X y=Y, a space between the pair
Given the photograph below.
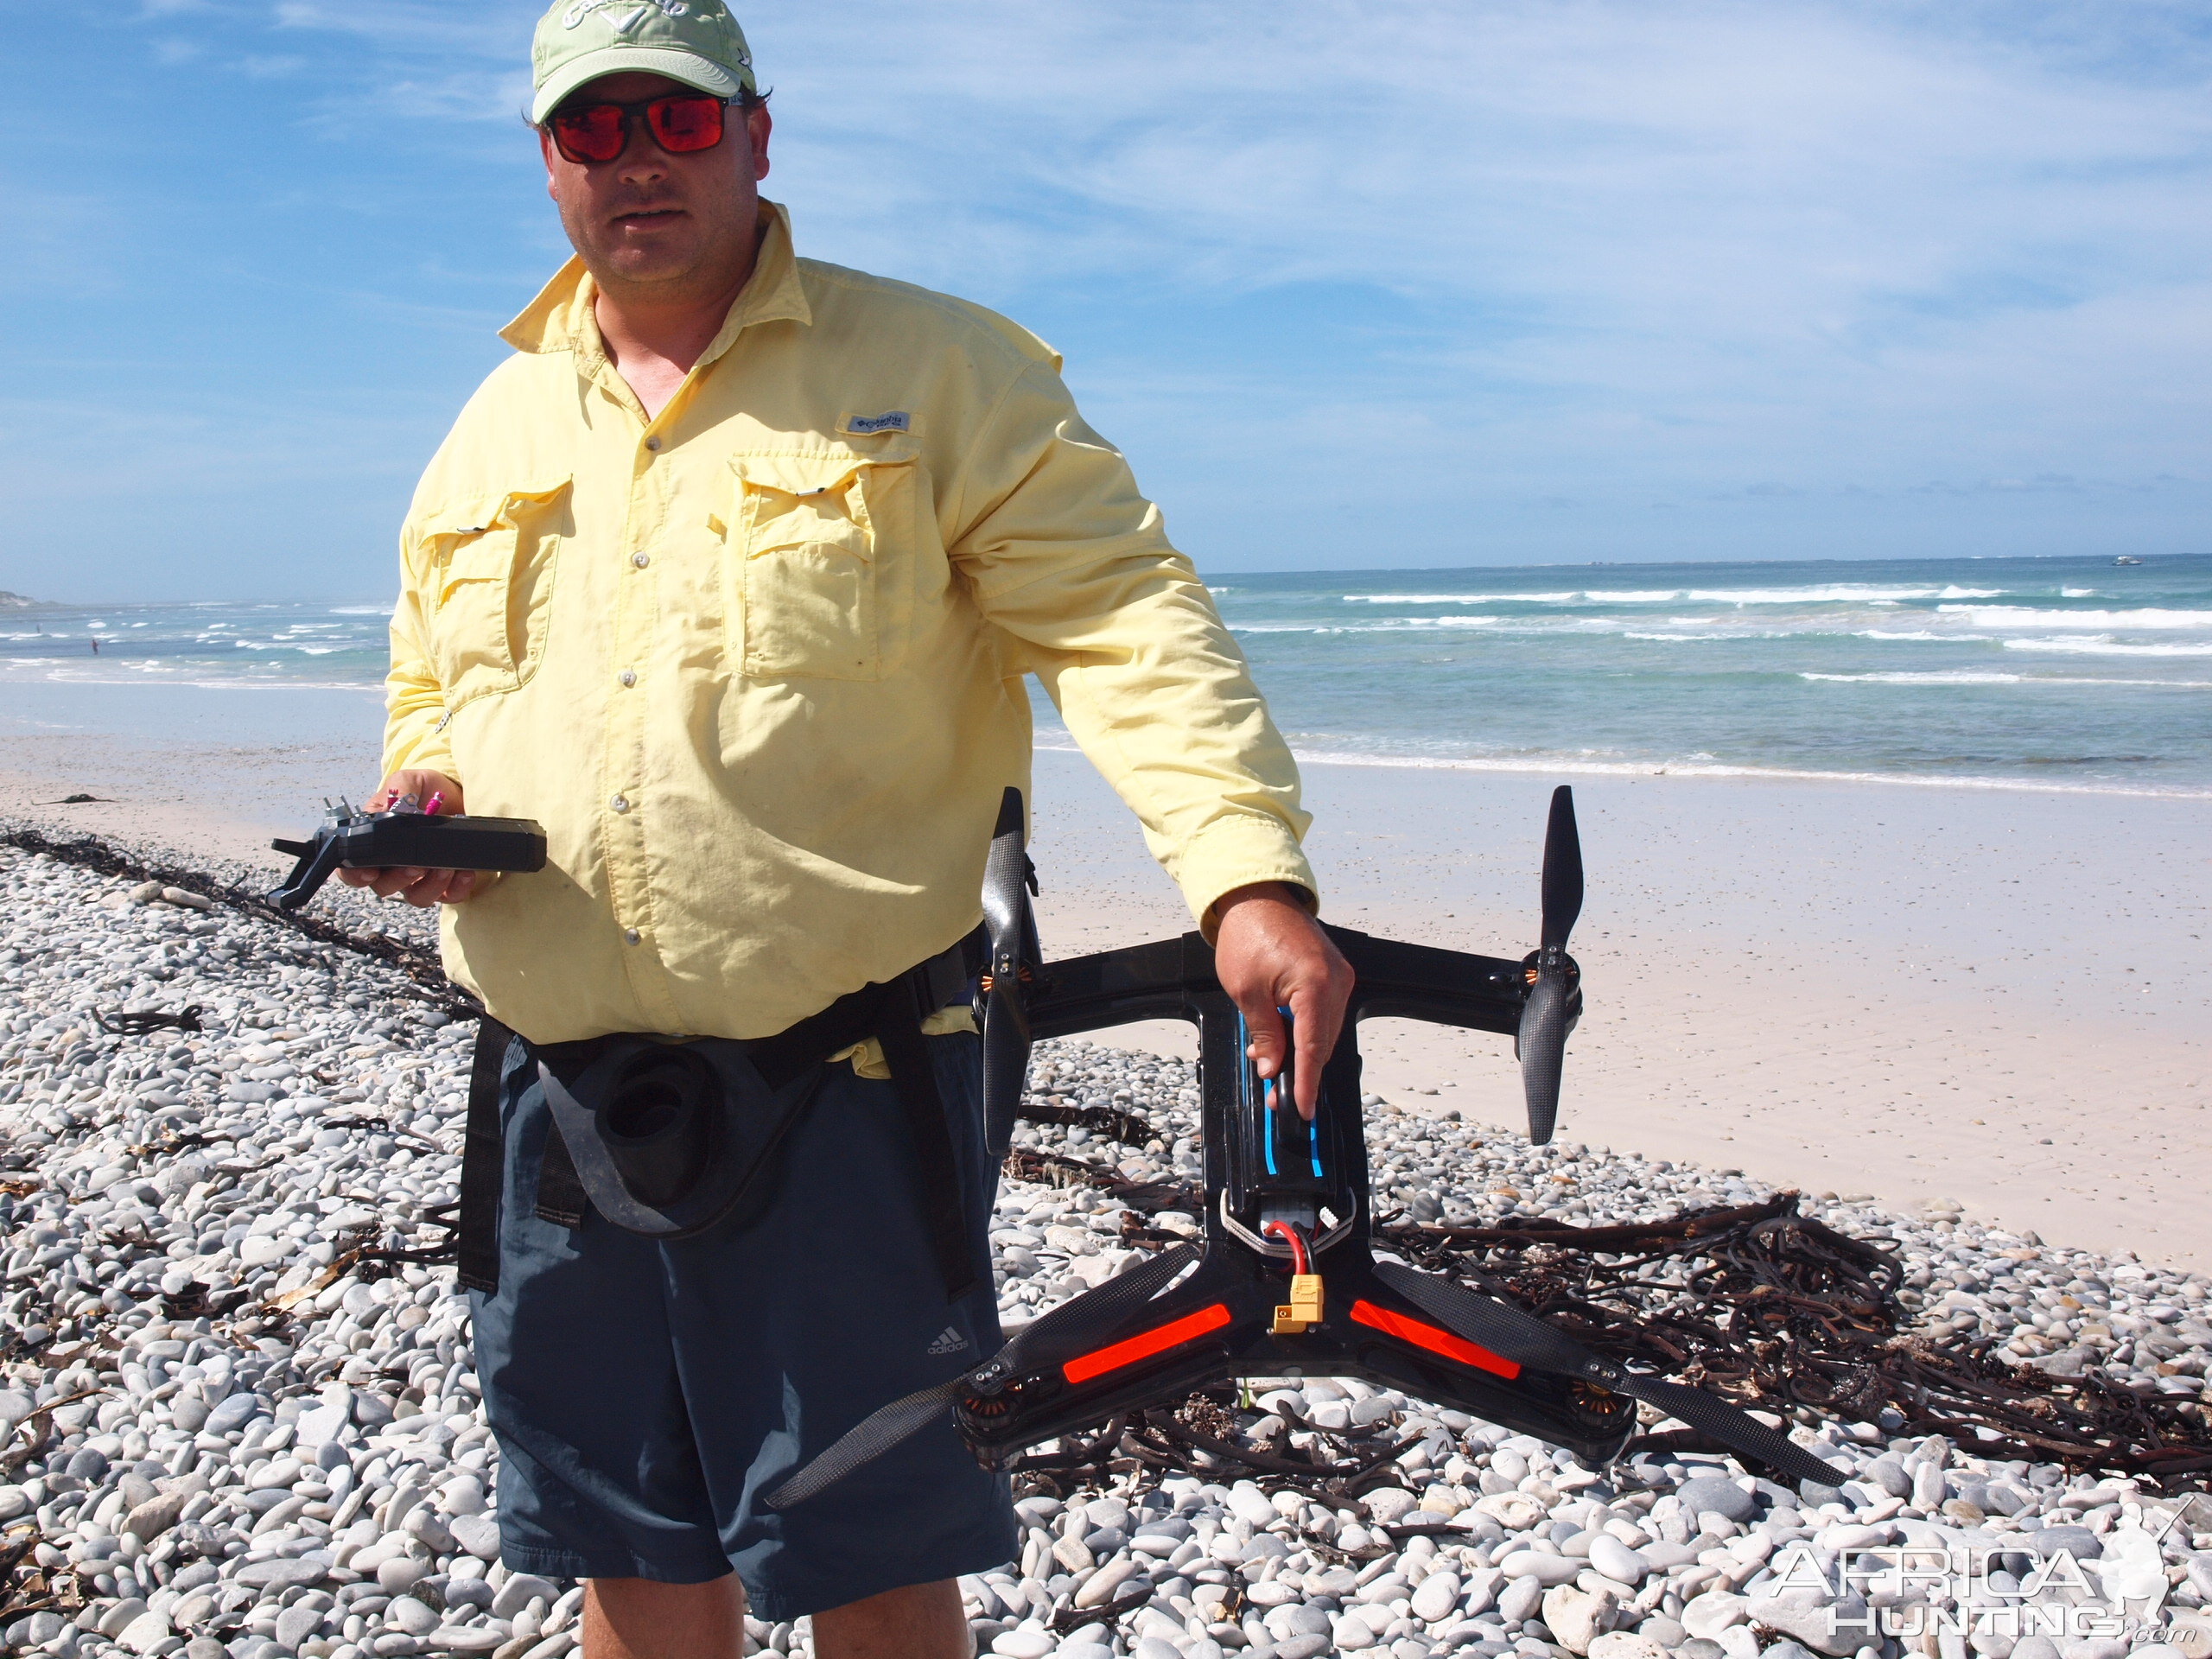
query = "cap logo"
x=582 y=9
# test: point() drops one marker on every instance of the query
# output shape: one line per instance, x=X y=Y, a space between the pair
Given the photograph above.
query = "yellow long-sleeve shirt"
x=757 y=664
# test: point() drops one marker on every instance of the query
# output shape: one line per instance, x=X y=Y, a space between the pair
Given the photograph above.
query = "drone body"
x=1284 y=1283
x=1265 y=1164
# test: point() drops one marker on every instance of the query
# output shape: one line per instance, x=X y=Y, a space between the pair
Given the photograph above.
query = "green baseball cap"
x=695 y=42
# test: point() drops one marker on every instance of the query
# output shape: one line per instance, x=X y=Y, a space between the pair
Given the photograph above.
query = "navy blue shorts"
x=647 y=1394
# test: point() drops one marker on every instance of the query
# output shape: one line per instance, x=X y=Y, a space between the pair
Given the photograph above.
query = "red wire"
x=1300 y=1261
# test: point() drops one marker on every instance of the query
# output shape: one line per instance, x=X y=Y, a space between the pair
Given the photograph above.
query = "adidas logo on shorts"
x=948 y=1341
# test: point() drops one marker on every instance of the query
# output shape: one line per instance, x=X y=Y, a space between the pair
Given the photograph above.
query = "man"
x=730 y=577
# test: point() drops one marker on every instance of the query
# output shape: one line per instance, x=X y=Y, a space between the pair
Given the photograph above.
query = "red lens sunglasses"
x=681 y=122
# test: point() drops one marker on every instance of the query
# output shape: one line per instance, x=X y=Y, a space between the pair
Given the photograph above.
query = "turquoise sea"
x=2041 y=673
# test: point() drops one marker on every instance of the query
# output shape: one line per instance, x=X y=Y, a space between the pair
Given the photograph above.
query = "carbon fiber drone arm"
x=1446 y=988
x=1171 y=978
x=1214 y=1326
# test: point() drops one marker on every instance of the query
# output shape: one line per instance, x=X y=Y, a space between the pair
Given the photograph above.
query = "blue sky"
x=1356 y=284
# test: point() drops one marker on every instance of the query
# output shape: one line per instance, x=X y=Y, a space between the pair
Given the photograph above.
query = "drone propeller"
x=1516 y=1335
x=1008 y=880
x=1074 y=1323
x=1541 y=1043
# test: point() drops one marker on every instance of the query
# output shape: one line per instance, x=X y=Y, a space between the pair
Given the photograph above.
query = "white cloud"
x=1678 y=243
x=1580 y=154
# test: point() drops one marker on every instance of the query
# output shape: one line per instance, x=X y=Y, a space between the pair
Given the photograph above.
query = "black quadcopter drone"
x=1285 y=1282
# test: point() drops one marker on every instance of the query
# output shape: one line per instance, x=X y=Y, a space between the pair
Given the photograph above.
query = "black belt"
x=892 y=1013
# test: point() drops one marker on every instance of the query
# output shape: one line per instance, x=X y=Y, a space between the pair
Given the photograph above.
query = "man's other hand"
x=1269 y=953
x=423 y=888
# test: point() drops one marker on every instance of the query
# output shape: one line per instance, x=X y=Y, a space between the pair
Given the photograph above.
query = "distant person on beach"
x=730 y=576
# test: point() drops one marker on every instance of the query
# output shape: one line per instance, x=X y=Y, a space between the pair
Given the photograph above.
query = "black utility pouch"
x=666 y=1139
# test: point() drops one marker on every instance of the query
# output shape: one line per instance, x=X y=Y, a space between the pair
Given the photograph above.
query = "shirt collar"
x=561 y=318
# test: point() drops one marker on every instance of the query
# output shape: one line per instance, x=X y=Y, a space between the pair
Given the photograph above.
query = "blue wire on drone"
x=1267 y=1090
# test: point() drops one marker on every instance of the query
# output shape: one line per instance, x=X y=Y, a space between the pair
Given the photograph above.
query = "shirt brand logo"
x=897 y=420
x=948 y=1341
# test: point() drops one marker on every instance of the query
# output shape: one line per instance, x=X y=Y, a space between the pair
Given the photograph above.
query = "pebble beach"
x=237 y=1424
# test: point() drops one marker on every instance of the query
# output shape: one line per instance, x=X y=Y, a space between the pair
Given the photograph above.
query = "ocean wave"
x=1717 y=639
x=1978 y=677
x=299 y=646
x=1828 y=594
x=1396 y=625
x=1706 y=769
x=1697 y=631
x=385 y=610
x=1933 y=676
x=2022 y=616
x=1711 y=628
x=58 y=674
x=1705 y=629
x=1580 y=765
x=1833 y=593
x=1461 y=599
x=1918 y=636
x=2107 y=648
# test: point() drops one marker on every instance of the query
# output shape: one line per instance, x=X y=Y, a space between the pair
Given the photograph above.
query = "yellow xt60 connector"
x=1304 y=1307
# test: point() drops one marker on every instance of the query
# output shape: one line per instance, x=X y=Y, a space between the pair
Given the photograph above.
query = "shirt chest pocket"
x=490 y=566
x=820 y=564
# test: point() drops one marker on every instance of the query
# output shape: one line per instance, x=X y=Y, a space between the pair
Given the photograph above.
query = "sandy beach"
x=1992 y=996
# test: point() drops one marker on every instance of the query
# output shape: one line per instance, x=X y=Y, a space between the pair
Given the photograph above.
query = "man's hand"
x=1269 y=953
x=423 y=888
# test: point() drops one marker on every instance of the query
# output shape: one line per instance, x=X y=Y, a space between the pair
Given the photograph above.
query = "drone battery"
x=1292 y=1145
x=418 y=839
x=1281 y=1165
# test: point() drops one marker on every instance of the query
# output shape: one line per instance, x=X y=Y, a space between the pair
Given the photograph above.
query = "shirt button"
x=629 y=678
x=620 y=803
x=640 y=560
x=631 y=935
x=653 y=444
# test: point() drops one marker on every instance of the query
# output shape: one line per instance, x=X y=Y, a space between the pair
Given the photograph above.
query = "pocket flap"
x=812 y=474
x=455 y=533
x=801 y=500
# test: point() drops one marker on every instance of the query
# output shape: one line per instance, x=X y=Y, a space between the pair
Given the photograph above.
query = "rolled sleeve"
x=1064 y=555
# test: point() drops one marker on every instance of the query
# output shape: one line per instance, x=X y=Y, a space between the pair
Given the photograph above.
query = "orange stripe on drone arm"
x=1436 y=1341
x=1146 y=1343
